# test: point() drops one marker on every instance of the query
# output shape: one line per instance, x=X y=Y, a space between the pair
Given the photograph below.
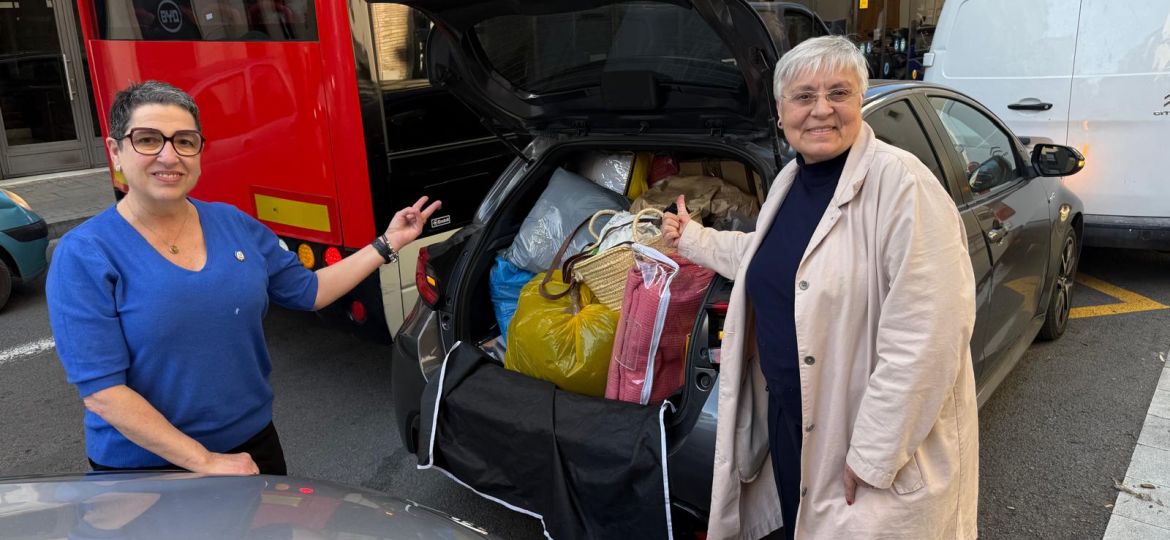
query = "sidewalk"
x=65 y=199
x=1142 y=509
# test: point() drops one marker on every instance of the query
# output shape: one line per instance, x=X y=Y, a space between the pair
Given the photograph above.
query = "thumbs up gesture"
x=673 y=224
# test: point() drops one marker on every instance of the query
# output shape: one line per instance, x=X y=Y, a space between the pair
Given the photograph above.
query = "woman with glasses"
x=156 y=304
x=846 y=391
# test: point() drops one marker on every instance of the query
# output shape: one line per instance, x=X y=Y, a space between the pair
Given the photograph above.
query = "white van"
x=1091 y=74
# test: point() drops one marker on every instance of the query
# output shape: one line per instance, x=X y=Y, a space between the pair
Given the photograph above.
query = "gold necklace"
x=174 y=249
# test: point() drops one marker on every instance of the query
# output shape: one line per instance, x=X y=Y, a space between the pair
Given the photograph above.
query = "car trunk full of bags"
x=559 y=411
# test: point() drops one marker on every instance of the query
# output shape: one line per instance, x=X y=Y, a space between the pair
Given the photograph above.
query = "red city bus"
x=320 y=122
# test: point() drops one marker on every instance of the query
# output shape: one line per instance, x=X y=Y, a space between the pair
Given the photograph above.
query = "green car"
x=23 y=239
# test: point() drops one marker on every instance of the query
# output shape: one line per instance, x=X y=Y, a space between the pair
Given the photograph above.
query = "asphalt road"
x=1053 y=438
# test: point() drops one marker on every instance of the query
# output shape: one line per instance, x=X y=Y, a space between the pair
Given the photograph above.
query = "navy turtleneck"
x=771 y=287
x=771 y=277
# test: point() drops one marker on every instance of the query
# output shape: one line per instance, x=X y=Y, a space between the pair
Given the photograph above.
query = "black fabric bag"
x=586 y=467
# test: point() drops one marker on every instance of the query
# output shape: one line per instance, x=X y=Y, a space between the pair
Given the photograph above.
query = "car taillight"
x=332 y=256
x=357 y=312
x=428 y=287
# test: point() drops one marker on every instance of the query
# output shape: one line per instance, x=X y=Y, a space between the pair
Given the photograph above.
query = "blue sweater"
x=191 y=343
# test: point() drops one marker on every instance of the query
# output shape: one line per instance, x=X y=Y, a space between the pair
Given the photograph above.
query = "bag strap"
x=571 y=262
x=556 y=263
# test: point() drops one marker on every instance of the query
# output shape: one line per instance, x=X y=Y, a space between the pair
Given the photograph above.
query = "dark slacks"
x=784 y=440
x=264 y=447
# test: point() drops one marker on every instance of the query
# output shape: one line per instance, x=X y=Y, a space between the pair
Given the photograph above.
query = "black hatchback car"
x=693 y=79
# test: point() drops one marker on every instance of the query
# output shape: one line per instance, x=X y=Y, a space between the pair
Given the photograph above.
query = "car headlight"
x=16 y=199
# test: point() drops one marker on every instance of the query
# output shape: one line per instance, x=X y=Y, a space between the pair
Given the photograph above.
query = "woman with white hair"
x=846 y=386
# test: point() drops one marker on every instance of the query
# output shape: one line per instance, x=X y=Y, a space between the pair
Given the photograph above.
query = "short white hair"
x=825 y=54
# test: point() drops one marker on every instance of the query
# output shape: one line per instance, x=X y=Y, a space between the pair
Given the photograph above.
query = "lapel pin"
x=240 y=256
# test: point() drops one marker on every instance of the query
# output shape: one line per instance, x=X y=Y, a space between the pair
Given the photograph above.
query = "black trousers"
x=264 y=448
x=784 y=440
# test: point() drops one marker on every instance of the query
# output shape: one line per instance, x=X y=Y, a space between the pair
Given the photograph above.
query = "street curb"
x=59 y=228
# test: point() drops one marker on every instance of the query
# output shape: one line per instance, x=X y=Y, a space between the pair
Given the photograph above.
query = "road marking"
x=24 y=351
x=1130 y=302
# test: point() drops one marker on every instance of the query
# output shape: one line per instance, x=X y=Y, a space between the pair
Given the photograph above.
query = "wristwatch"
x=382 y=246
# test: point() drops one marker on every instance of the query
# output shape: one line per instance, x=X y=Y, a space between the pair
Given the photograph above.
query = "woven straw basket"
x=605 y=273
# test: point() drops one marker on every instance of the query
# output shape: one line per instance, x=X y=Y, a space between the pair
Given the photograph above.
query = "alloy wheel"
x=1064 y=280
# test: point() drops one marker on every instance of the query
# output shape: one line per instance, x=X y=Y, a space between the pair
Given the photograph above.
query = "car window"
x=773 y=18
x=400 y=38
x=985 y=150
x=206 y=20
x=896 y=124
x=800 y=27
x=559 y=51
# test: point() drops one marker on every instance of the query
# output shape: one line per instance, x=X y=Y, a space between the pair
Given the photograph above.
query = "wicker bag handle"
x=648 y=239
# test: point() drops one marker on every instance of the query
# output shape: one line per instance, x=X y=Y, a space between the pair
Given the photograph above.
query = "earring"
x=779 y=124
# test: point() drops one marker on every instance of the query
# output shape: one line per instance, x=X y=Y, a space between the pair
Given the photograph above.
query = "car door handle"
x=1042 y=106
x=996 y=235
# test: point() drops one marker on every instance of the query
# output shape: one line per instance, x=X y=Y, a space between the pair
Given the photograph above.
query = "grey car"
x=187 y=505
x=712 y=101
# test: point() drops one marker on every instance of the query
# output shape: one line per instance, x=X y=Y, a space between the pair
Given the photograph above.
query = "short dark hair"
x=147 y=93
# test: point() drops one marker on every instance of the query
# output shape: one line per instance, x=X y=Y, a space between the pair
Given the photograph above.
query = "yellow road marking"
x=1131 y=302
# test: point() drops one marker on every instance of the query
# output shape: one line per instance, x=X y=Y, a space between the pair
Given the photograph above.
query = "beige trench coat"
x=885 y=307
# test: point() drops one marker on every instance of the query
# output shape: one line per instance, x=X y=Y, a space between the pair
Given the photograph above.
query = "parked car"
x=187 y=505
x=708 y=98
x=23 y=239
x=1092 y=74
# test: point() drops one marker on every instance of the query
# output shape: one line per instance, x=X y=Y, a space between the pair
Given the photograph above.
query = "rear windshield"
x=548 y=53
x=206 y=20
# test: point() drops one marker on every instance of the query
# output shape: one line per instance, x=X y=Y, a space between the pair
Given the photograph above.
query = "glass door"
x=45 y=117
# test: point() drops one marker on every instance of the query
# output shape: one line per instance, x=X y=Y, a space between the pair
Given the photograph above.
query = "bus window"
x=207 y=20
x=401 y=34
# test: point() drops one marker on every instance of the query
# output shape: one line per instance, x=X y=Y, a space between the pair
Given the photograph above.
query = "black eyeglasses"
x=150 y=141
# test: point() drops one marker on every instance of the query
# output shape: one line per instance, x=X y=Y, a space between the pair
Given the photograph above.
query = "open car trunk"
x=594 y=463
x=691 y=79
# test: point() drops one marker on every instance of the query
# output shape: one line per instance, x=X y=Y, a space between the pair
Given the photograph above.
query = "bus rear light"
x=428 y=286
x=305 y=254
x=357 y=312
x=332 y=256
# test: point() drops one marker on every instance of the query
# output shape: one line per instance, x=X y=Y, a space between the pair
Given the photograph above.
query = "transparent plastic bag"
x=663 y=297
x=611 y=170
x=568 y=200
x=567 y=341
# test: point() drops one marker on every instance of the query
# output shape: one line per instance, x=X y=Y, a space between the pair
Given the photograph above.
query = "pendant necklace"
x=174 y=249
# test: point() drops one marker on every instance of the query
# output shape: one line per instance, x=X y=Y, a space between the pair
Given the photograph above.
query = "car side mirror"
x=1056 y=160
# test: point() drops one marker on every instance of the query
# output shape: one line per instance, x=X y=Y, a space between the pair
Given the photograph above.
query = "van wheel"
x=5 y=283
x=1056 y=320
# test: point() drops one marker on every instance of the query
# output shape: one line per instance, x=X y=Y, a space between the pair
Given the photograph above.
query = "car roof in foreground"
x=163 y=504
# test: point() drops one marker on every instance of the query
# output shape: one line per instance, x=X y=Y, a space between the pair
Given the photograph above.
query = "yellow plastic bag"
x=640 y=176
x=567 y=341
